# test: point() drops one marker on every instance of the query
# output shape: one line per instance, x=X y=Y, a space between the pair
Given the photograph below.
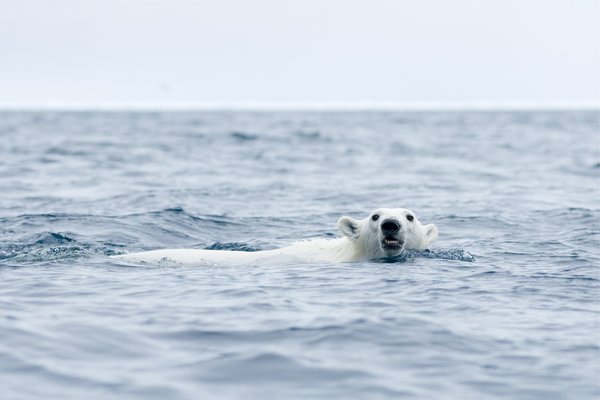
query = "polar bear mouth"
x=392 y=243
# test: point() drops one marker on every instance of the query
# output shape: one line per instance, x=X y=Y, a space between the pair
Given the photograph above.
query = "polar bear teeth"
x=391 y=241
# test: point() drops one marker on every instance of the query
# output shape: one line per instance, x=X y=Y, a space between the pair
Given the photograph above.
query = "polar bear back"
x=314 y=250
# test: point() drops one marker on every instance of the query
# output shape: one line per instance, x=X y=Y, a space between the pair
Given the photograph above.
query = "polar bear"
x=384 y=233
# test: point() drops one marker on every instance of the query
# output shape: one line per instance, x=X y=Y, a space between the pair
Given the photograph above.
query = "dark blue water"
x=506 y=305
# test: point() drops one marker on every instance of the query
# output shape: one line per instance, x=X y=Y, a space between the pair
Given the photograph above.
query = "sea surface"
x=506 y=305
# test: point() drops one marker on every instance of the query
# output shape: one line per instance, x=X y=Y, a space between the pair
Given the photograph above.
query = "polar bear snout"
x=392 y=238
x=390 y=226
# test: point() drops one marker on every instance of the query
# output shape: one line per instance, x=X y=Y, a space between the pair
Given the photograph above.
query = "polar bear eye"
x=375 y=217
x=410 y=217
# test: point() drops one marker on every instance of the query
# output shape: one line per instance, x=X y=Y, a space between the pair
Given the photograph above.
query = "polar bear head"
x=386 y=232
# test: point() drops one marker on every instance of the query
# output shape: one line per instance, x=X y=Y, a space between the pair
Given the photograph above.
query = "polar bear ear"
x=349 y=227
x=431 y=232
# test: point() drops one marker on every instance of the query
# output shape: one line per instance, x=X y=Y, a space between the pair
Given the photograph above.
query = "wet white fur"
x=361 y=241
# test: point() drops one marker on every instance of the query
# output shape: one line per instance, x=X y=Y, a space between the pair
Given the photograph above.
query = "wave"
x=233 y=246
x=76 y=236
x=440 y=254
x=49 y=246
x=57 y=246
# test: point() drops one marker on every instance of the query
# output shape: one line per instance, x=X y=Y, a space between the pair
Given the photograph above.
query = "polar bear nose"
x=390 y=226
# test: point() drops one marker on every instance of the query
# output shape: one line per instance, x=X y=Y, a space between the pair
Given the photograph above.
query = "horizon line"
x=309 y=106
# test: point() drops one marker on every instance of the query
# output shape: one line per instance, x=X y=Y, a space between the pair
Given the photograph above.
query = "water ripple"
x=504 y=305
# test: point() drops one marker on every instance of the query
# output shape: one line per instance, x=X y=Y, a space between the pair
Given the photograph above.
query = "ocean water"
x=505 y=305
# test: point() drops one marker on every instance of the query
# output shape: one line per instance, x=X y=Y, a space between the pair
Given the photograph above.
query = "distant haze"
x=99 y=53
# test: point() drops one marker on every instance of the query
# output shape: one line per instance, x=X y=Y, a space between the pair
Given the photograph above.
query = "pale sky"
x=91 y=53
